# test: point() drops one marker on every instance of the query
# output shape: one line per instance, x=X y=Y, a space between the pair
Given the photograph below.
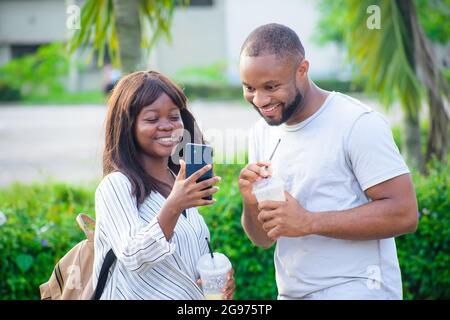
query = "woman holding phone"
x=145 y=206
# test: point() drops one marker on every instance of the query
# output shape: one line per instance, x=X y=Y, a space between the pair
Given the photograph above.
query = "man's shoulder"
x=349 y=106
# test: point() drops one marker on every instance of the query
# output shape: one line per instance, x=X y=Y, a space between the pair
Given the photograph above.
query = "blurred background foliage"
x=396 y=59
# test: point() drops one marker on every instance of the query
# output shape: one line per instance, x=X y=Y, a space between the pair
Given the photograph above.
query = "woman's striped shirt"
x=148 y=266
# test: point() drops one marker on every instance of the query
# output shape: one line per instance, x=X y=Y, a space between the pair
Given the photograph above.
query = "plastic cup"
x=214 y=274
x=271 y=188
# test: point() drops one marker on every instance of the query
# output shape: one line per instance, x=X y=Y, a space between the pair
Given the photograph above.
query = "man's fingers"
x=274 y=233
x=269 y=224
x=263 y=163
x=269 y=205
x=261 y=171
x=265 y=215
x=249 y=175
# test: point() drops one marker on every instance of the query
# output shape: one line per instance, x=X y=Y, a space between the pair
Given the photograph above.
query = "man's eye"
x=249 y=89
x=271 y=88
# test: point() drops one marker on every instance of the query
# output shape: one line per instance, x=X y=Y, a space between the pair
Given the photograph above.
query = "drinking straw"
x=209 y=246
x=273 y=152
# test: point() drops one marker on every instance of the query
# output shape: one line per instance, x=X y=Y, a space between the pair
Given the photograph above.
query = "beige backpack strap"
x=87 y=224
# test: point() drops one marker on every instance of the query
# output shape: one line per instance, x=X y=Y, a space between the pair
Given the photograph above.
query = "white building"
x=207 y=32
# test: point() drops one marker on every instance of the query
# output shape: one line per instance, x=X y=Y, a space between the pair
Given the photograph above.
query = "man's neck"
x=313 y=98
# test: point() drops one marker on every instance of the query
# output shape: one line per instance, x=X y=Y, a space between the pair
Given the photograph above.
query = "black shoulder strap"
x=109 y=260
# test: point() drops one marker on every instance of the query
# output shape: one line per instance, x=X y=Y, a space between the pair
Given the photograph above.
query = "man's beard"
x=287 y=111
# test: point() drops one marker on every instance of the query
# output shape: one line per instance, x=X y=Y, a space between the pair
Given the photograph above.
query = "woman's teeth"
x=167 y=139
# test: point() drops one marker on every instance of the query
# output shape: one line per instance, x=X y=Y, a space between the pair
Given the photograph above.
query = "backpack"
x=71 y=278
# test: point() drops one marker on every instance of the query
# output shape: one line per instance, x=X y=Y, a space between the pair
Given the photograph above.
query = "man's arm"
x=253 y=227
x=392 y=212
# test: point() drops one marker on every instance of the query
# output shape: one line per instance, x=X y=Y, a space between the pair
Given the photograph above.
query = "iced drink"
x=271 y=188
x=214 y=274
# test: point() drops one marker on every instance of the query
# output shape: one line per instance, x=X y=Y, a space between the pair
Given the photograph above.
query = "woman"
x=145 y=207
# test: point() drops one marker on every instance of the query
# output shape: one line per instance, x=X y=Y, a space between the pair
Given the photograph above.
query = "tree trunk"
x=128 y=28
x=438 y=139
x=411 y=141
x=437 y=90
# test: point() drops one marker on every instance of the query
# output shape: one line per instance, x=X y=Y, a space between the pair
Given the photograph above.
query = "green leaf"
x=24 y=262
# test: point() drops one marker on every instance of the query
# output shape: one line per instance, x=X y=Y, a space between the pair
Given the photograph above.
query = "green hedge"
x=425 y=255
x=41 y=227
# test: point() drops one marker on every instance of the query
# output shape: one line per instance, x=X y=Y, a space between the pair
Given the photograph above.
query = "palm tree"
x=385 y=59
x=397 y=62
x=123 y=27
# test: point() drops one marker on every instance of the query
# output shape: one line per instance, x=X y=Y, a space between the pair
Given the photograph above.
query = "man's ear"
x=302 y=69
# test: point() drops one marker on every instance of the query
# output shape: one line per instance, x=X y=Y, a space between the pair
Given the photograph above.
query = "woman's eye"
x=152 y=120
x=175 y=118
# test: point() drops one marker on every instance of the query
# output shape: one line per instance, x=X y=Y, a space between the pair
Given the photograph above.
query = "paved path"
x=65 y=143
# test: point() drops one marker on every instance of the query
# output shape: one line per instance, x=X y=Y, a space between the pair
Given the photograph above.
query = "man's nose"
x=260 y=99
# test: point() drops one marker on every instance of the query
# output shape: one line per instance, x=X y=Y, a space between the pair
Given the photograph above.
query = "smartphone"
x=196 y=157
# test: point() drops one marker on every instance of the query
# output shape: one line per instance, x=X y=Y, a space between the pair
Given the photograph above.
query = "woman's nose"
x=165 y=125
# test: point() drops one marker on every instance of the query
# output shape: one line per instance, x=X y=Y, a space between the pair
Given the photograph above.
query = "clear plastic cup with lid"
x=214 y=274
x=271 y=188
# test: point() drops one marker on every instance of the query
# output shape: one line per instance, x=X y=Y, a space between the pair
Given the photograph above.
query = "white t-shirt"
x=326 y=162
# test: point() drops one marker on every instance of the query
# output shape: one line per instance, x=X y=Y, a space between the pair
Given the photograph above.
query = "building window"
x=18 y=51
x=198 y=3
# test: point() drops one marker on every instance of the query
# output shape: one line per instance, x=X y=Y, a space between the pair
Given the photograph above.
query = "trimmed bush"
x=41 y=228
x=425 y=255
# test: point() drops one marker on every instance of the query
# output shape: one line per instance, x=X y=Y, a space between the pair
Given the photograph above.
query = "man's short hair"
x=274 y=39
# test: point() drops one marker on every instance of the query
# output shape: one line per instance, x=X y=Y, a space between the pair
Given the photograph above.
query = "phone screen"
x=196 y=157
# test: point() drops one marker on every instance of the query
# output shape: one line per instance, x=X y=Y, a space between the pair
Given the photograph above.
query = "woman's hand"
x=228 y=290
x=187 y=193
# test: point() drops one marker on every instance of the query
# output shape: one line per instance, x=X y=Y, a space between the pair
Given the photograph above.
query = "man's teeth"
x=271 y=108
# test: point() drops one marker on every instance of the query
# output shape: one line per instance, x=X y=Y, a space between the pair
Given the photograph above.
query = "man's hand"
x=284 y=218
x=251 y=173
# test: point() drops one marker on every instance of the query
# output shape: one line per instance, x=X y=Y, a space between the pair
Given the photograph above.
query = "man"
x=348 y=190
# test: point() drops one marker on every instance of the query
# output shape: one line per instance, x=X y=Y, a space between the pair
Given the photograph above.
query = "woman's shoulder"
x=114 y=179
